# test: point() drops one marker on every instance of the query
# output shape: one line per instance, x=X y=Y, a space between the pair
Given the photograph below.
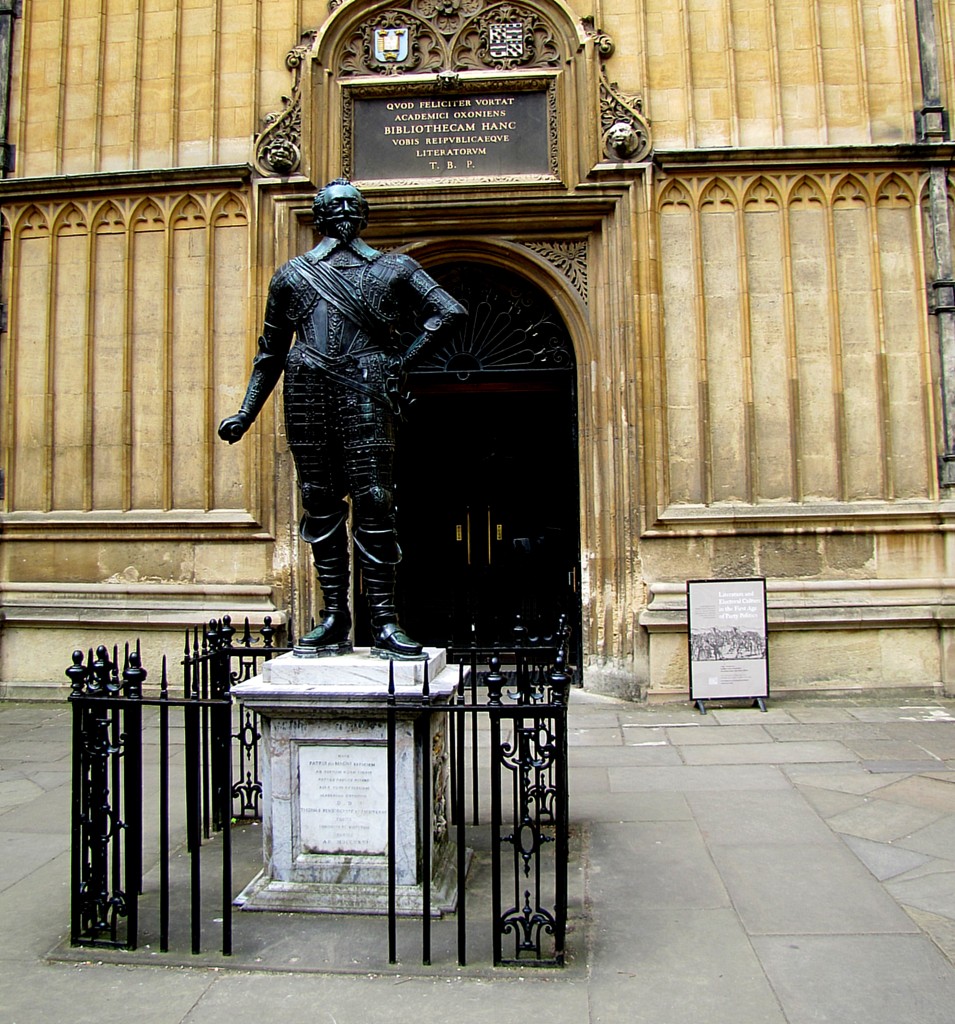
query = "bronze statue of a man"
x=343 y=376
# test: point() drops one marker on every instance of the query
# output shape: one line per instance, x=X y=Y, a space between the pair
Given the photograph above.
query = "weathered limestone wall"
x=766 y=73
x=797 y=356
x=758 y=372
x=127 y=341
x=148 y=83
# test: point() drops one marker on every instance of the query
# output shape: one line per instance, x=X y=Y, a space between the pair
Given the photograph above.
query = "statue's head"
x=340 y=210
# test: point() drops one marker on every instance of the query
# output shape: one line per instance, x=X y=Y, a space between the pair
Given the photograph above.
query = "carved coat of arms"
x=506 y=39
x=391 y=44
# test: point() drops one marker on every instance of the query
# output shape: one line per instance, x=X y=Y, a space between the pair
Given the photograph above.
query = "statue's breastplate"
x=326 y=330
x=377 y=287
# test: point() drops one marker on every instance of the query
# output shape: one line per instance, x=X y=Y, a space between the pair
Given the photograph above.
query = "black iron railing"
x=507 y=743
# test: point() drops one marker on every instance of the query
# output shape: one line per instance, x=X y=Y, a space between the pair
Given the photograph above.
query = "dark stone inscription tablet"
x=478 y=135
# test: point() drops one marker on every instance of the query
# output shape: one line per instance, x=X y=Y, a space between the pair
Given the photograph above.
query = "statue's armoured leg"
x=379 y=554
x=328 y=536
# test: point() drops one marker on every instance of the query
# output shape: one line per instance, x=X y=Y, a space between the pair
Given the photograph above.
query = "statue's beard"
x=344 y=230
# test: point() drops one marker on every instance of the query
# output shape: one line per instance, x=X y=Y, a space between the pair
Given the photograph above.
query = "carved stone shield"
x=506 y=39
x=391 y=44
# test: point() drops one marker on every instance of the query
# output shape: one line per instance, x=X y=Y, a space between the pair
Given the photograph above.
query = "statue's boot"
x=379 y=553
x=328 y=536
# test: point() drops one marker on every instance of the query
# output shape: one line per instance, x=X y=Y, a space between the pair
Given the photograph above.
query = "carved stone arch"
x=806 y=191
x=70 y=220
x=108 y=219
x=852 y=190
x=188 y=213
x=720 y=194
x=425 y=50
x=894 y=191
x=675 y=194
x=147 y=215
x=762 y=194
x=453 y=34
x=32 y=221
x=230 y=210
x=532 y=278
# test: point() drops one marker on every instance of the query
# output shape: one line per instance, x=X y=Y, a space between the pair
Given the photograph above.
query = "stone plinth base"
x=325 y=784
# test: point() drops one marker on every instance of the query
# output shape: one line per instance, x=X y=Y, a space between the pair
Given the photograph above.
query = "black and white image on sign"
x=726 y=622
x=715 y=644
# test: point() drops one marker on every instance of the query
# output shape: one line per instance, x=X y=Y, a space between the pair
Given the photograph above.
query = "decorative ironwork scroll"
x=107 y=783
x=510 y=326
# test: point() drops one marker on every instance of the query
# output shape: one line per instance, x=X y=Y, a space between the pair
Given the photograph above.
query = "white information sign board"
x=726 y=626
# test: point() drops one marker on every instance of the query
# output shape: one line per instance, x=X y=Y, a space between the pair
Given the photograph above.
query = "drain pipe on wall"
x=932 y=127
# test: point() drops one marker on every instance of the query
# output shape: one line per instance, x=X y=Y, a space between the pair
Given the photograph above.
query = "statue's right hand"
x=233 y=427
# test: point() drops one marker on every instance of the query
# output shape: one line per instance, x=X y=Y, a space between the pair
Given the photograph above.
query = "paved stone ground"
x=792 y=867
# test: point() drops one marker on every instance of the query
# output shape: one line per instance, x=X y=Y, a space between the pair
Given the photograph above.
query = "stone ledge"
x=824 y=604
x=142 y=605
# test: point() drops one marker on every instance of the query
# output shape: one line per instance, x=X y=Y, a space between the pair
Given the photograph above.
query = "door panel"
x=488 y=512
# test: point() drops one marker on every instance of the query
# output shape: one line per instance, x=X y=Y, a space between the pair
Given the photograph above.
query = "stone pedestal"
x=325 y=782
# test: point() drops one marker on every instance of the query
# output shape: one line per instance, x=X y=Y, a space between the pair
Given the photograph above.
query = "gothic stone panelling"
x=128 y=337
x=788 y=73
x=797 y=365
x=128 y=84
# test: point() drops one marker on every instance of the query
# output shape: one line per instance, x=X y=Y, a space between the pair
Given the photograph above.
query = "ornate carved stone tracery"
x=624 y=131
x=447 y=38
x=450 y=36
x=278 y=149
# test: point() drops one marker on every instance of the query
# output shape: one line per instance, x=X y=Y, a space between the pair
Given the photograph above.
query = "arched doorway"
x=487 y=471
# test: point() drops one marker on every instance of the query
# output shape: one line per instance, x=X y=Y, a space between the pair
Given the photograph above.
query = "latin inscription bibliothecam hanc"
x=451 y=136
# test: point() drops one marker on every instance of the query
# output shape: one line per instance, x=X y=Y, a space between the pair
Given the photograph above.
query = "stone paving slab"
x=935 y=793
x=841 y=731
x=760 y=817
x=241 y=999
x=697 y=778
x=828 y=802
x=22 y=852
x=678 y=966
x=882 y=820
x=900 y=767
x=727 y=734
x=671 y=866
x=39 y=903
x=93 y=993
x=622 y=807
x=932 y=892
x=805 y=889
x=937 y=839
x=883 y=859
x=769 y=753
x=603 y=737
x=620 y=757
x=852 y=779
x=859 y=979
x=744 y=715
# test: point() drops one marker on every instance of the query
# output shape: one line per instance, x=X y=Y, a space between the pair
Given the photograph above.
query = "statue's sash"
x=335 y=290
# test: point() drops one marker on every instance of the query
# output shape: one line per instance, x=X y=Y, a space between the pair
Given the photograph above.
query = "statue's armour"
x=348 y=352
x=342 y=375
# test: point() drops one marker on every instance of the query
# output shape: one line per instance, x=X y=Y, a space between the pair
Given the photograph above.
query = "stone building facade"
x=739 y=213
